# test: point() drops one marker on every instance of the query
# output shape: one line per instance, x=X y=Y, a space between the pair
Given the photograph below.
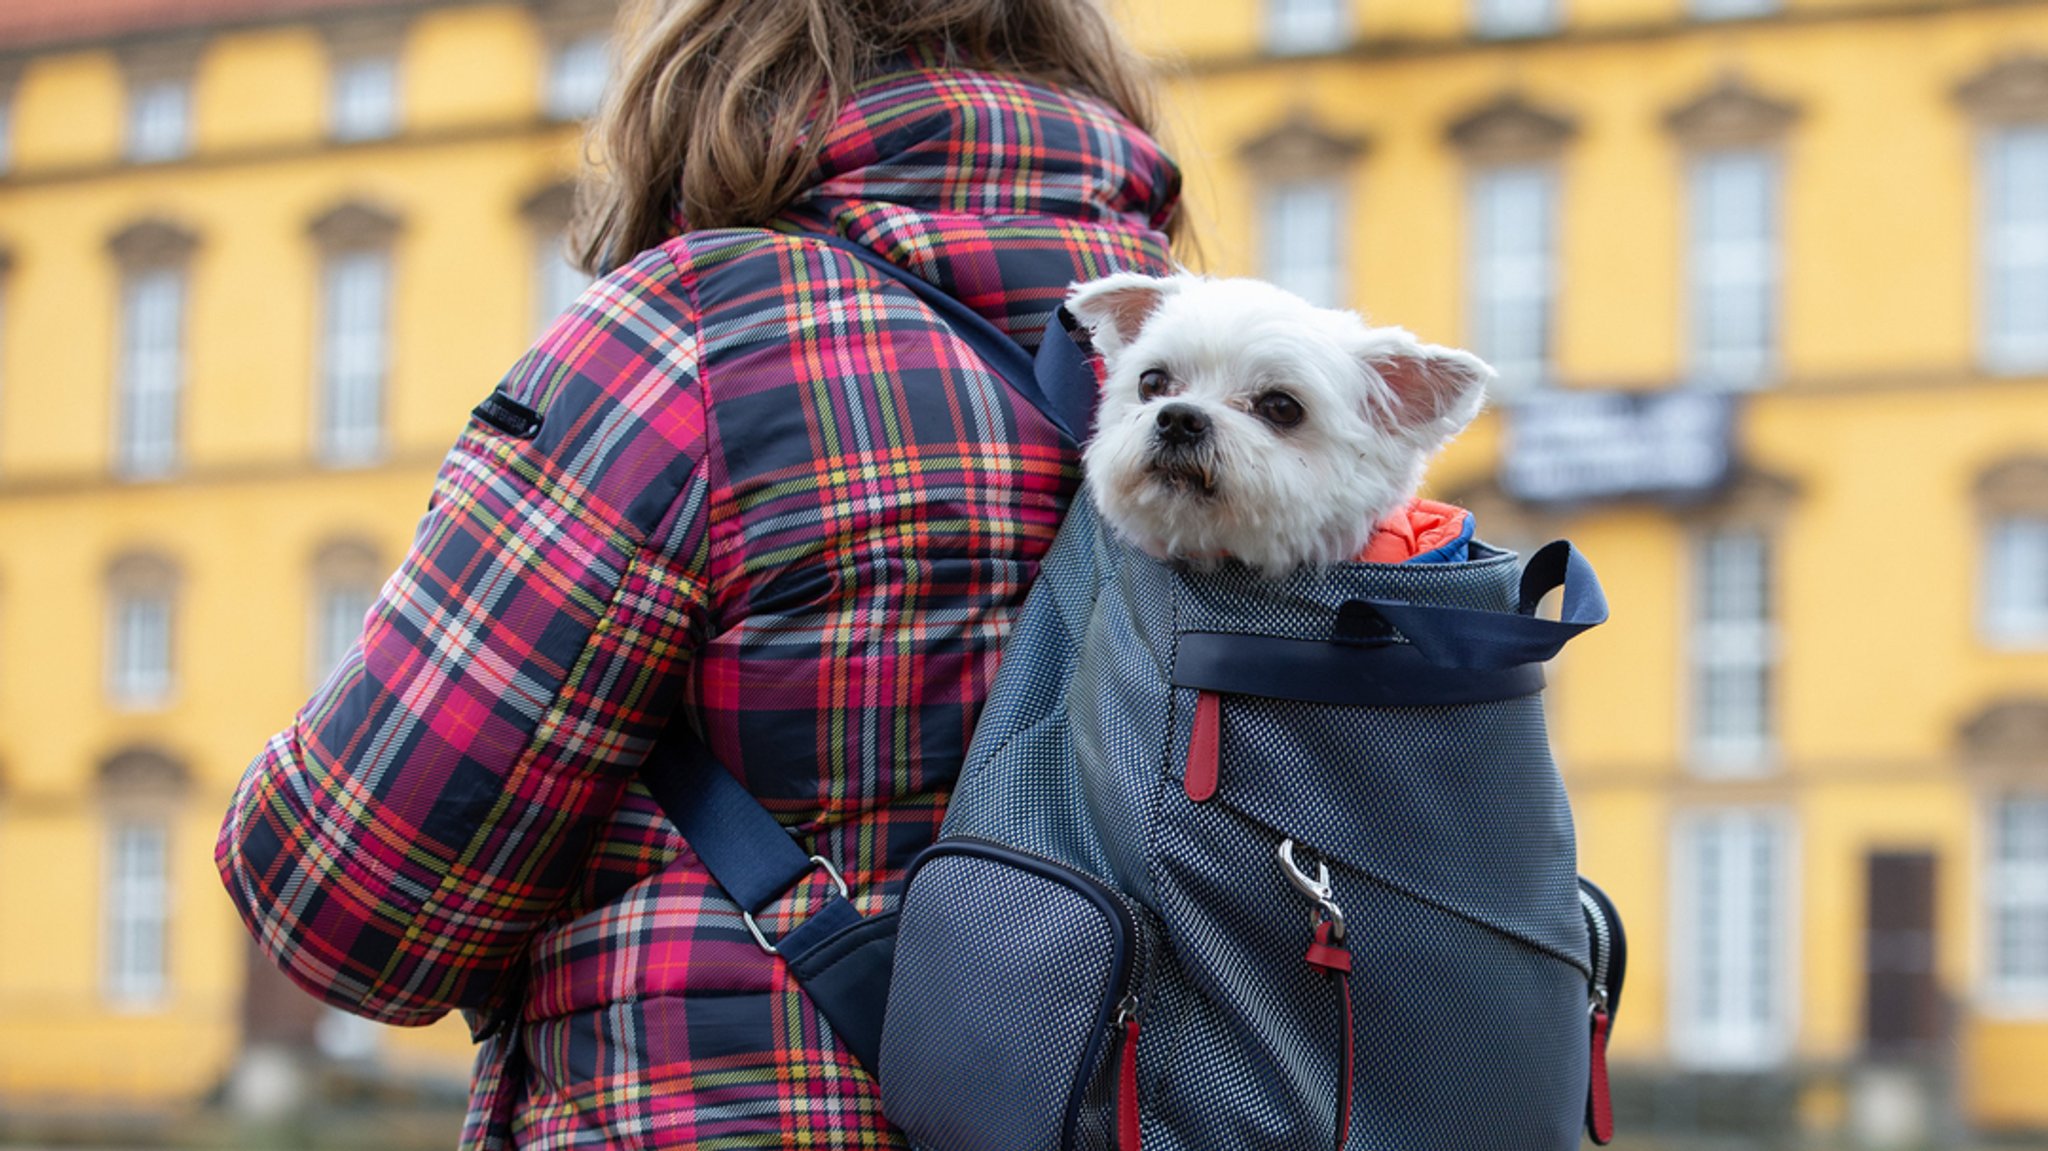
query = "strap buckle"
x=1317 y=890
x=838 y=881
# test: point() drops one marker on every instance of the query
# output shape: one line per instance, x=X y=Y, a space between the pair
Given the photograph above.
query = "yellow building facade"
x=253 y=273
x=1809 y=755
x=256 y=273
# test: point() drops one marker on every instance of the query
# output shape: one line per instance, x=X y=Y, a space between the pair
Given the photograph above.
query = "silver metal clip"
x=838 y=881
x=1317 y=889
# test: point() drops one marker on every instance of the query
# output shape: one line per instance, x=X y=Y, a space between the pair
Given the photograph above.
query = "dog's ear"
x=1435 y=390
x=1115 y=307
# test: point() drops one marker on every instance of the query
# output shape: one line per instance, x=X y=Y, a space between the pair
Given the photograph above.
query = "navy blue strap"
x=1339 y=673
x=750 y=855
x=1463 y=638
x=1058 y=381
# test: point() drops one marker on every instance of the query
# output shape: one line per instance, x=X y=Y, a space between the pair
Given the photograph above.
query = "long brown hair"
x=711 y=108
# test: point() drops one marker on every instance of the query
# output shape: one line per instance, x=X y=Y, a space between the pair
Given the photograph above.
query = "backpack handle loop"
x=1491 y=640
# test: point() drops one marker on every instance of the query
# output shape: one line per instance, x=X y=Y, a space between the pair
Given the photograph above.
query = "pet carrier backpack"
x=1234 y=863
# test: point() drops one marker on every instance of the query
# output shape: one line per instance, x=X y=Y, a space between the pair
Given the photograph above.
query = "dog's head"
x=1240 y=420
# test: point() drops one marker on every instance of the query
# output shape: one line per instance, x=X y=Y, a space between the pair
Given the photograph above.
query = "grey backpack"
x=1249 y=865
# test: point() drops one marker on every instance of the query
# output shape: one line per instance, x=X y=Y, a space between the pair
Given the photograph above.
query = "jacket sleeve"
x=393 y=848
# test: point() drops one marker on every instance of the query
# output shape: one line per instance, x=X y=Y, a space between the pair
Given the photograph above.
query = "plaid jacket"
x=769 y=495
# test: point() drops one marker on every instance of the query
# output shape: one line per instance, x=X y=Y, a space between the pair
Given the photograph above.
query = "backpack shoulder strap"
x=838 y=957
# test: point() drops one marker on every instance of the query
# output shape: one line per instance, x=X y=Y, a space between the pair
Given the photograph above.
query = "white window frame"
x=557 y=283
x=336 y=623
x=6 y=126
x=1302 y=238
x=135 y=965
x=354 y=355
x=2018 y=887
x=1510 y=19
x=578 y=68
x=363 y=98
x=2013 y=252
x=141 y=627
x=1513 y=285
x=1306 y=27
x=1733 y=271
x=2015 y=589
x=152 y=372
x=1732 y=9
x=1708 y=932
x=159 y=120
x=1740 y=644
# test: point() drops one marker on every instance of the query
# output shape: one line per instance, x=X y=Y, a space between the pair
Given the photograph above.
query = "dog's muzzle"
x=1181 y=425
x=1181 y=454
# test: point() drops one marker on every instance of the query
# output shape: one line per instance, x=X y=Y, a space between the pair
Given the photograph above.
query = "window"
x=559 y=283
x=6 y=268
x=1513 y=273
x=1733 y=956
x=1302 y=240
x=1506 y=18
x=1733 y=651
x=346 y=579
x=365 y=98
x=139 y=664
x=1306 y=26
x=2015 y=253
x=1732 y=9
x=6 y=125
x=352 y=358
x=1733 y=267
x=2017 y=888
x=152 y=372
x=2016 y=581
x=576 y=76
x=337 y=622
x=137 y=903
x=159 y=120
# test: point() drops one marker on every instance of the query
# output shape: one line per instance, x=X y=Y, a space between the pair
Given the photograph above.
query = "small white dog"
x=1241 y=420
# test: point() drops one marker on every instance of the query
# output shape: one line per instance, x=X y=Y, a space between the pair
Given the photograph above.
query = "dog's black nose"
x=1182 y=424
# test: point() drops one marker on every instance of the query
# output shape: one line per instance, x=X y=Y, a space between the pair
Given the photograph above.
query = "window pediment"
x=1301 y=147
x=1752 y=498
x=2015 y=486
x=1510 y=128
x=142 y=573
x=2009 y=731
x=551 y=208
x=142 y=773
x=1731 y=114
x=152 y=243
x=354 y=225
x=568 y=19
x=161 y=59
x=348 y=561
x=356 y=37
x=2015 y=88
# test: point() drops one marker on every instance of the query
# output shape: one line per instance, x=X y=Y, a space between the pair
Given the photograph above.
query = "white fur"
x=1377 y=402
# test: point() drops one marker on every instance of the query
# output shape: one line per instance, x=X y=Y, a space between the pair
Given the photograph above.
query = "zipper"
x=1603 y=937
x=1129 y=1130
x=1118 y=1019
x=1600 y=1016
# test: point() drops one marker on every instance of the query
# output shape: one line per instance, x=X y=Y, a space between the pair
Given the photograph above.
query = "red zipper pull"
x=1127 y=1127
x=1205 y=748
x=1599 y=1104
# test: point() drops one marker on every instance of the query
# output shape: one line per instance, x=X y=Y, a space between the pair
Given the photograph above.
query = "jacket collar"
x=1000 y=191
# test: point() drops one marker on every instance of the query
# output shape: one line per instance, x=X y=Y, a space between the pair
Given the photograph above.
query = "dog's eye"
x=1154 y=383
x=1279 y=409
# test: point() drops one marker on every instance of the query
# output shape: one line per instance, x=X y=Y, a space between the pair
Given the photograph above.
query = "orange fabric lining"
x=1422 y=526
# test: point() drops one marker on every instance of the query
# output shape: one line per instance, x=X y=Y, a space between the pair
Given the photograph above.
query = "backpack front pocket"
x=1017 y=985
